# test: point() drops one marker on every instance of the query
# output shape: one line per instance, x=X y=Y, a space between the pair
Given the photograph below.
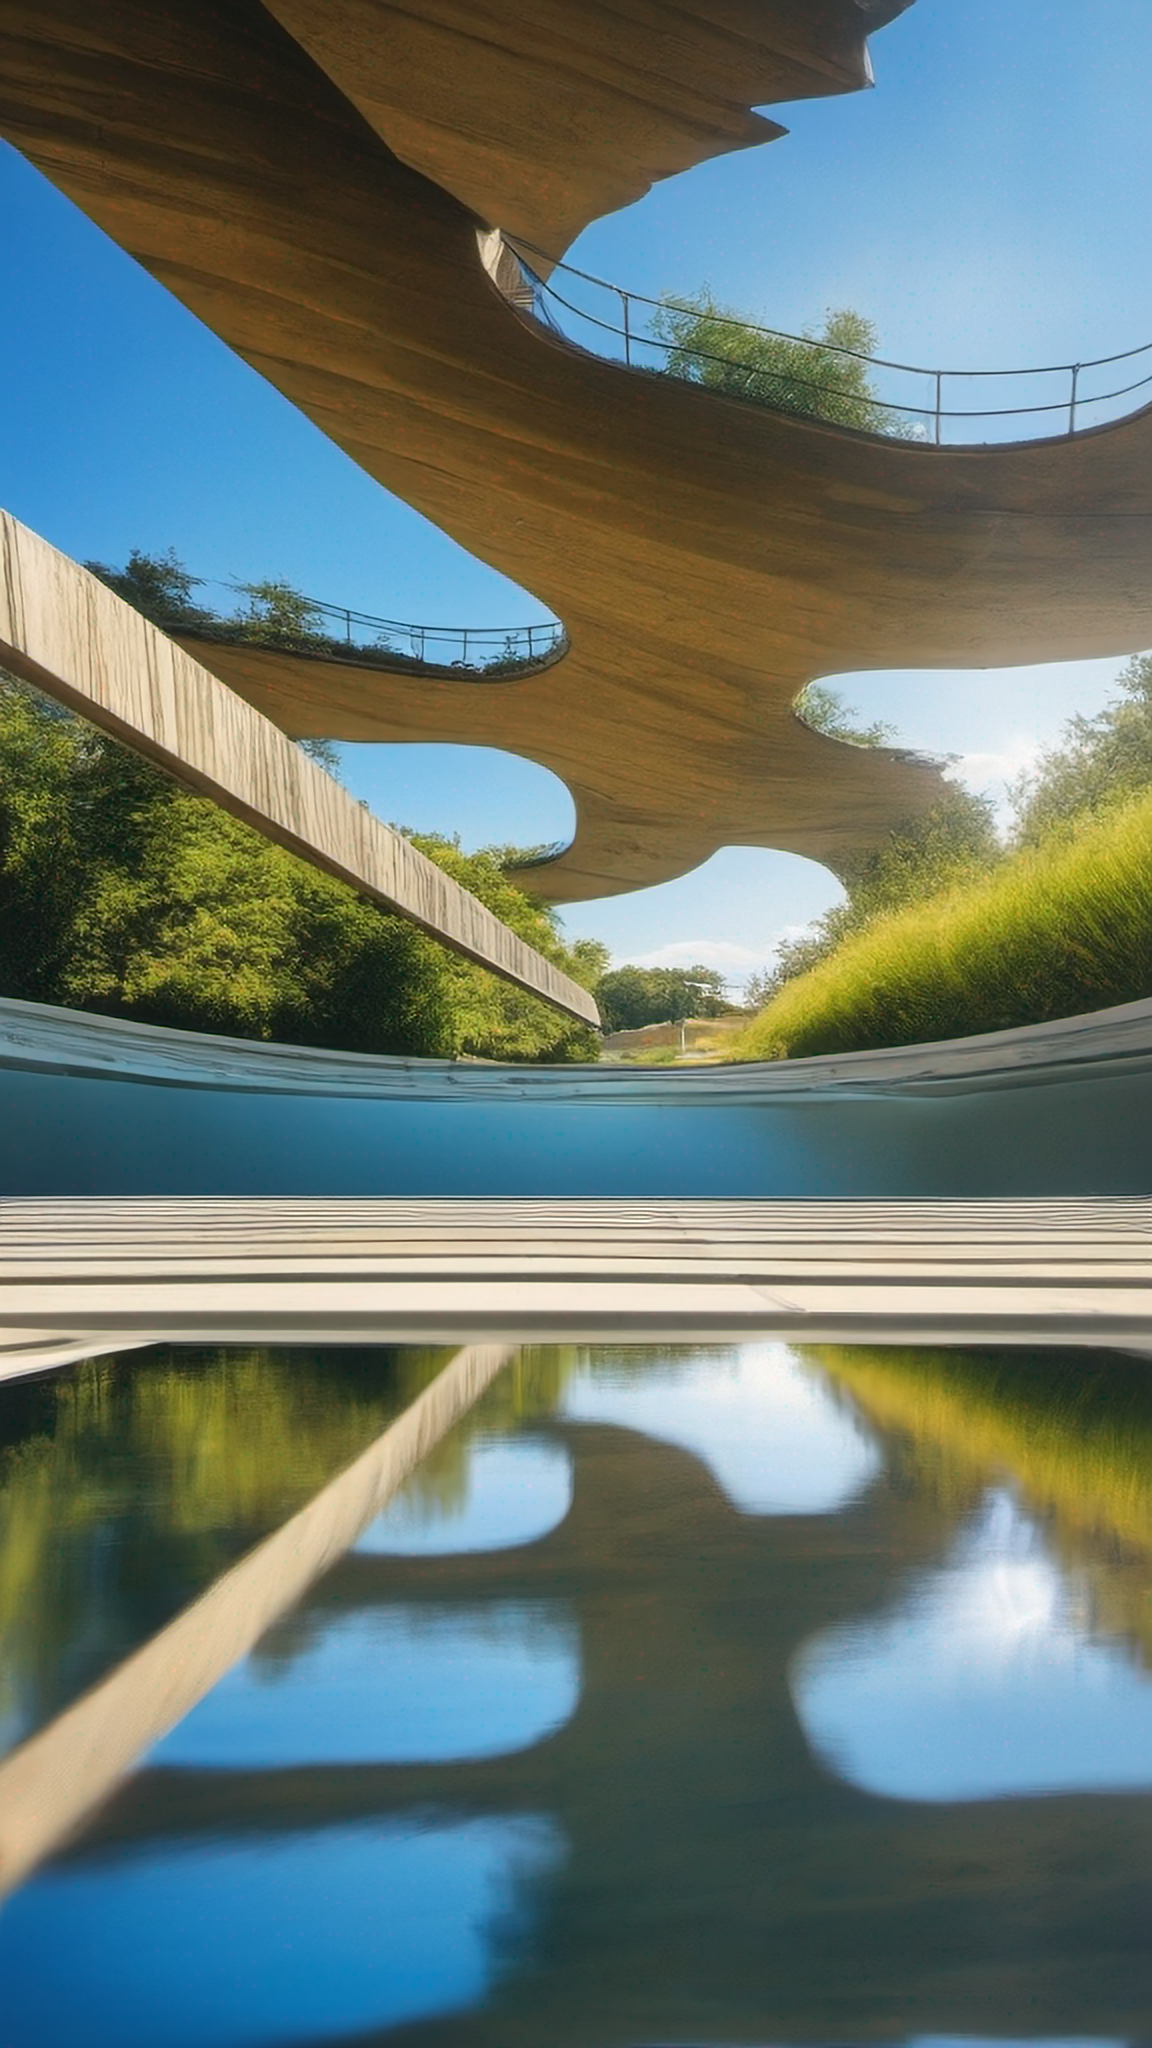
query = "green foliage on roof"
x=822 y=376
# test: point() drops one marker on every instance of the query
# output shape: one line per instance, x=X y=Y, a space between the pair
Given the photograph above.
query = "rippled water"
x=744 y=1696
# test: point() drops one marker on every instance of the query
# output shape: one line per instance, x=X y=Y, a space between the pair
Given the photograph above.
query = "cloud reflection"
x=985 y=1682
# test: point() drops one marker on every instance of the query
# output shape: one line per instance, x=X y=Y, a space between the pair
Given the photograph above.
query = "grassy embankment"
x=1051 y=932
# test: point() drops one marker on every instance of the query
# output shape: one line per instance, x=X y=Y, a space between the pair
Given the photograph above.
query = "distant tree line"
x=630 y=997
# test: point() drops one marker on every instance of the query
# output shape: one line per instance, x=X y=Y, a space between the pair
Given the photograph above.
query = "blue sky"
x=986 y=204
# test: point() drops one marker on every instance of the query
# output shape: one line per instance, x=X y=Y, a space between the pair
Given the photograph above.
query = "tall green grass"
x=1052 y=932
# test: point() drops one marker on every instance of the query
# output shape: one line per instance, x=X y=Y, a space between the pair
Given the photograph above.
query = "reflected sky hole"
x=984 y=1682
x=397 y=1684
x=772 y=1436
x=270 y=1941
x=513 y=1491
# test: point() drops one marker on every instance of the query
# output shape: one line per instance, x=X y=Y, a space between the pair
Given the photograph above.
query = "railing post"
x=939 y=402
x=464 y=653
x=1072 y=400
x=348 y=628
x=627 y=330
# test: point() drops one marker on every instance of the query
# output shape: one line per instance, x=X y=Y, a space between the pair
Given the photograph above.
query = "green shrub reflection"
x=127 y=1485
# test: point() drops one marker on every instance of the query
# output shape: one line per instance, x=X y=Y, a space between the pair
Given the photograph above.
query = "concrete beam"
x=64 y=631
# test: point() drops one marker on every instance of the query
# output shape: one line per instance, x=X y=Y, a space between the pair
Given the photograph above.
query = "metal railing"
x=337 y=632
x=911 y=399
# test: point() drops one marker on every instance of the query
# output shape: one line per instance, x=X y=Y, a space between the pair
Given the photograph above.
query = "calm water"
x=739 y=1697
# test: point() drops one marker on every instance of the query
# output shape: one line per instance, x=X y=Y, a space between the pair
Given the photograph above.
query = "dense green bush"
x=1100 y=761
x=123 y=893
x=954 y=842
x=633 y=996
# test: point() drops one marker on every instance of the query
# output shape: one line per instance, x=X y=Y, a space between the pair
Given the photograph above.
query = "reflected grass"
x=1071 y=1431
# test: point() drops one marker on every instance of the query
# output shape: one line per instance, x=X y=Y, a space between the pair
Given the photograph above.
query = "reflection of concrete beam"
x=24 y=1352
x=61 y=629
x=223 y=1271
x=688 y=1798
x=61 y=1774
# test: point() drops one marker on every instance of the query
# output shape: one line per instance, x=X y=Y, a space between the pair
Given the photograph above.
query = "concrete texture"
x=708 y=558
x=63 y=630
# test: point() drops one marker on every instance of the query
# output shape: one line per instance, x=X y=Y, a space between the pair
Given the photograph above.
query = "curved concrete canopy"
x=541 y=119
x=708 y=558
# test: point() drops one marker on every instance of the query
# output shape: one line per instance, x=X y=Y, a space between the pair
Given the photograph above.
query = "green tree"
x=823 y=376
x=1100 y=761
x=633 y=996
x=158 y=586
x=121 y=892
x=279 y=616
x=492 y=1019
x=824 y=709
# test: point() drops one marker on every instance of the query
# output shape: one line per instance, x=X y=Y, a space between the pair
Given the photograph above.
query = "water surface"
x=748 y=1696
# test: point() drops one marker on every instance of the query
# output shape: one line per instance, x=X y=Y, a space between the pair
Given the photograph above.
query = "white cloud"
x=720 y=953
x=979 y=771
x=734 y=962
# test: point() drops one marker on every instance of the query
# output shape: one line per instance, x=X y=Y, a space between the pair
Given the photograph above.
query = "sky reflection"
x=772 y=1436
x=984 y=1682
x=515 y=1491
x=396 y=1684
x=283 y=1940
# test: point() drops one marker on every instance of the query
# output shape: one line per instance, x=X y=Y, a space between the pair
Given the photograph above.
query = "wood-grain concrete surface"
x=1074 y=1271
x=544 y=118
x=708 y=558
x=63 y=630
x=42 y=1039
